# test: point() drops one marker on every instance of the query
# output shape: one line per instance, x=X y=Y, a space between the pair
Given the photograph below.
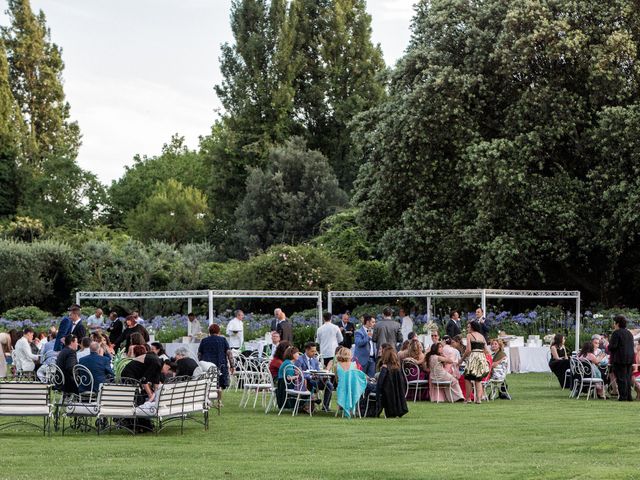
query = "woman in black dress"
x=559 y=361
x=147 y=368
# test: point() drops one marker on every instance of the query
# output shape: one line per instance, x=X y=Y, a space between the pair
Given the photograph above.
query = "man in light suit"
x=365 y=351
x=387 y=330
x=66 y=324
x=307 y=362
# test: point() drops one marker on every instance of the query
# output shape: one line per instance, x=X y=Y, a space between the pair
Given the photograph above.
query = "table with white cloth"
x=529 y=359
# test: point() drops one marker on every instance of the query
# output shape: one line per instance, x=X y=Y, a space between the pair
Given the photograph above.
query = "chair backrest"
x=585 y=368
x=117 y=398
x=54 y=376
x=83 y=378
x=24 y=394
x=293 y=377
x=410 y=369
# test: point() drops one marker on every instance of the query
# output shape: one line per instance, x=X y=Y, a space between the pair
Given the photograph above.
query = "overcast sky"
x=138 y=71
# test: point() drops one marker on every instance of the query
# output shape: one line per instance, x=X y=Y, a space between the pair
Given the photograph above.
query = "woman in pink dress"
x=437 y=361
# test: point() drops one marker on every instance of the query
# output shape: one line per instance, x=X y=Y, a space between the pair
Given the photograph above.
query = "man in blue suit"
x=99 y=366
x=66 y=325
x=307 y=362
x=365 y=351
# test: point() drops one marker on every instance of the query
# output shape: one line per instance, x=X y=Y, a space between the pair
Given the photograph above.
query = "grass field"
x=539 y=434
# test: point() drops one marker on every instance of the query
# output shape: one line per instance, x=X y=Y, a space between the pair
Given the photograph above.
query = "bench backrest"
x=24 y=394
x=116 y=399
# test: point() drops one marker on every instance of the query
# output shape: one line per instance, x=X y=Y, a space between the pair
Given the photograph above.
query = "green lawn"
x=539 y=434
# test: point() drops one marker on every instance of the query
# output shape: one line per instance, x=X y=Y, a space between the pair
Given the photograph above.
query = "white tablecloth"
x=529 y=359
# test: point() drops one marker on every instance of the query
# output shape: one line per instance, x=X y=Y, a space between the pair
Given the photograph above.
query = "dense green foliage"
x=26 y=313
x=539 y=434
x=286 y=201
x=504 y=155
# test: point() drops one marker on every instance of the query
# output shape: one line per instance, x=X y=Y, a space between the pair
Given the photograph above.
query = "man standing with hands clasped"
x=622 y=356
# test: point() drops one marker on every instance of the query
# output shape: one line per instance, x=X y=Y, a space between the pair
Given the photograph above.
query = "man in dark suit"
x=99 y=366
x=365 y=351
x=622 y=356
x=77 y=328
x=66 y=324
x=308 y=361
x=284 y=328
x=453 y=327
x=484 y=328
x=115 y=328
x=347 y=329
x=66 y=360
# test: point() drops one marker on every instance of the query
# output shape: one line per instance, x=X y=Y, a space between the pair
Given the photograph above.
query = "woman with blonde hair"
x=352 y=382
x=5 y=351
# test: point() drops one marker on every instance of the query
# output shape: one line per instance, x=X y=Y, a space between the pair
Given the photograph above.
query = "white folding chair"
x=294 y=381
x=411 y=370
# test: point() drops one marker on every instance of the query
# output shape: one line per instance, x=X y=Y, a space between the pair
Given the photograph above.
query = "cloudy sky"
x=138 y=71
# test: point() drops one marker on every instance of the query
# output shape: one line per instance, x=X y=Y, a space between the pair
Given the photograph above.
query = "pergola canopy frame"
x=210 y=295
x=482 y=294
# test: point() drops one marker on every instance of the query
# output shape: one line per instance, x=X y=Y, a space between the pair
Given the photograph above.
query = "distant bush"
x=26 y=313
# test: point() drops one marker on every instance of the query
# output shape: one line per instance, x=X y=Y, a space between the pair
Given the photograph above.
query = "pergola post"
x=428 y=309
x=329 y=303
x=77 y=298
x=319 y=305
x=189 y=305
x=483 y=302
x=578 y=322
x=210 y=307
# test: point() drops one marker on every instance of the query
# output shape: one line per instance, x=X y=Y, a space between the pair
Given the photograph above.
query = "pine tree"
x=35 y=74
x=10 y=121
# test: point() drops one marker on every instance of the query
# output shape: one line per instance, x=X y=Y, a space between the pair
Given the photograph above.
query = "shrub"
x=26 y=313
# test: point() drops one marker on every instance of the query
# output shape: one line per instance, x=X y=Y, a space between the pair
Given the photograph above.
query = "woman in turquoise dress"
x=477 y=366
x=351 y=381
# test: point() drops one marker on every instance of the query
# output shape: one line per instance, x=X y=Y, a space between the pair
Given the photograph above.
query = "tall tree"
x=36 y=67
x=504 y=155
x=10 y=120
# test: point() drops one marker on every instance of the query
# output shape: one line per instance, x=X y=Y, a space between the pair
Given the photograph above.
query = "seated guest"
x=500 y=361
x=83 y=351
x=275 y=341
x=185 y=365
x=156 y=347
x=586 y=353
x=124 y=341
x=288 y=379
x=98 y=365
x=415 y=354
x=66 y=360
x=25 y=359
x=135 y=339
x=147 y=368
x=635 y=375
x=404 y=350
x=436 y=360
x=454 y=354
x=168 y=370
x=351 y=385
x=215 y=349
x=278 y=358
x=391 y=386
x=559 y=362
x=307 y=362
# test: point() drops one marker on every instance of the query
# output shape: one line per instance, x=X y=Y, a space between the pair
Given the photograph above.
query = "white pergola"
x=481 y=294
x=208 y=294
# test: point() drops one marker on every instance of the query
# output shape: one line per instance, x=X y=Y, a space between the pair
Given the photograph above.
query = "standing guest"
x=308 y=362
x=5 y=352
x=284 y=327
x=274 y=322
x=347 y=330
x=329 y=336
x=436 y=360
x=622 y=356
x=235 y=330
x=407 y=324
x=193 y=326
x=83 y=351
x=138 y=317
x=365 y=351
x=387 y=330
x=453 y=327
x=275 y=341
x=482 y=321
x=98 y=365
x=185 y=365
x=95 y=321
x=66 y=360
x=66 y=324
x=477 y=366
x=559 y=362
x=132 y=327
x=278 y=358
x=24 y=358
x=77 y=327
x=215 y=349
x=391 y=385
x=157 y=348
x=115 y=327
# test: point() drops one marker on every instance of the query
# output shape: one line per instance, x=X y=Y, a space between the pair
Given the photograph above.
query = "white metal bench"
x=26 y=399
